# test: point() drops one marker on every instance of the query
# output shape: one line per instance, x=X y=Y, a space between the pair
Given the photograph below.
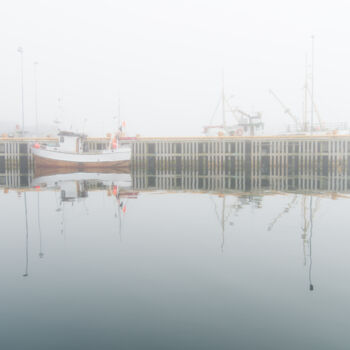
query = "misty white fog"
x=164 y=61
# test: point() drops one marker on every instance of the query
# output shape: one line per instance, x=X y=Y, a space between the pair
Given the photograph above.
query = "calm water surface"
x=158 y=270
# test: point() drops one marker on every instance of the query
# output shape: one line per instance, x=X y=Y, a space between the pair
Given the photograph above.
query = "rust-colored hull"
x=46 y=166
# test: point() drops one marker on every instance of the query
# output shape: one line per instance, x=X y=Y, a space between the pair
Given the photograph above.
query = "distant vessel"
x=71 y=155
x=245 y=124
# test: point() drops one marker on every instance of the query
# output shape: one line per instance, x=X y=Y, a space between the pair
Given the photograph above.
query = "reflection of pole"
x=223 y=223
x=41 y=254
x=311 y=287
x=27 y=238
x=36 y=97
x=20 y=50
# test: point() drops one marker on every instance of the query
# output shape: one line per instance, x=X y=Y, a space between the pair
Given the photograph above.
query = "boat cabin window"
x=61 y=139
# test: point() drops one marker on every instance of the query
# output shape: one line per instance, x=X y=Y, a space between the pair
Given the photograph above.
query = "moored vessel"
x=71 y=154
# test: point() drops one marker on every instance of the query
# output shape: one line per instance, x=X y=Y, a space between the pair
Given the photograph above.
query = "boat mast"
x=36 y=97
x=312 y=82
x=20 y=50
x=305 y=96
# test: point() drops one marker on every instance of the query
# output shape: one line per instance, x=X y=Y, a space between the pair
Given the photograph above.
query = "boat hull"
x=45 y=159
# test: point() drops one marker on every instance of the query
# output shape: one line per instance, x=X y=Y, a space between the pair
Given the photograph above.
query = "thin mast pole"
x=306 y=96
x=20 y=50
x=223 y=100
x=312 y=83
x=36 y=97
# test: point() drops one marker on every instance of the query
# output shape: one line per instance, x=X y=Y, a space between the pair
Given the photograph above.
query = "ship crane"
x=286 y=109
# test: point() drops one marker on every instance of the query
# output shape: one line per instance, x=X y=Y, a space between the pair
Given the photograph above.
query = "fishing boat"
x=70 y=154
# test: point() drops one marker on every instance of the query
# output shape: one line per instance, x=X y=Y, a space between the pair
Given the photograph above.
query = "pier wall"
x=245 y=164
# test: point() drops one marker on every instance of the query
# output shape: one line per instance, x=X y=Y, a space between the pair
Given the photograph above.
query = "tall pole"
x=20 y=50
x=36 y=97
x=304 y=127
x=223 y=99
x=312 y=83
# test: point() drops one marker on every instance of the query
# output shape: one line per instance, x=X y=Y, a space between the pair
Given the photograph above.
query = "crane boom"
x=286 y=109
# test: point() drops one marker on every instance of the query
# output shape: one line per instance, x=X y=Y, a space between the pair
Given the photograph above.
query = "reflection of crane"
x=285 y=210
x=286 y=109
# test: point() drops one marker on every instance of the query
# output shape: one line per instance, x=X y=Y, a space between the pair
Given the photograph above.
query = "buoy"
x=37 y=187
x=36 y=145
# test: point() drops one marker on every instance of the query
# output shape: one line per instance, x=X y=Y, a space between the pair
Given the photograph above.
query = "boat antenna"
x=20 y=51
x=36 y=97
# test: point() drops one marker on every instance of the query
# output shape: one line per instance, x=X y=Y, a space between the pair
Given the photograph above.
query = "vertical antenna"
x=36 y=97
x=223 y=99
x=312 y=83
x=20 y=50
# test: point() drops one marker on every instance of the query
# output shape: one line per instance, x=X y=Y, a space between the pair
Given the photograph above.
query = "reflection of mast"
x=307 y=238
x=27 y=237
x=41 y=254
x=223 y=223
x=311 y=286
x=224 y=216
x=121 y=209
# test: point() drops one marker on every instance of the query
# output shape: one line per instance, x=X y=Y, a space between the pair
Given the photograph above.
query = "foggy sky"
x=164 y=59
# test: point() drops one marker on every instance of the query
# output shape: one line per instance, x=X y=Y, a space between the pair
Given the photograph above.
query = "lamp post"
x=20 y=50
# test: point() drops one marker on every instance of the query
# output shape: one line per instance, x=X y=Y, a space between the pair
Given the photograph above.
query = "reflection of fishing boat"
x=70 y=154
x=122 y=180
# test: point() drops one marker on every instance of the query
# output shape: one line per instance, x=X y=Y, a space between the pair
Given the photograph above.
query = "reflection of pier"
x=300 y=163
